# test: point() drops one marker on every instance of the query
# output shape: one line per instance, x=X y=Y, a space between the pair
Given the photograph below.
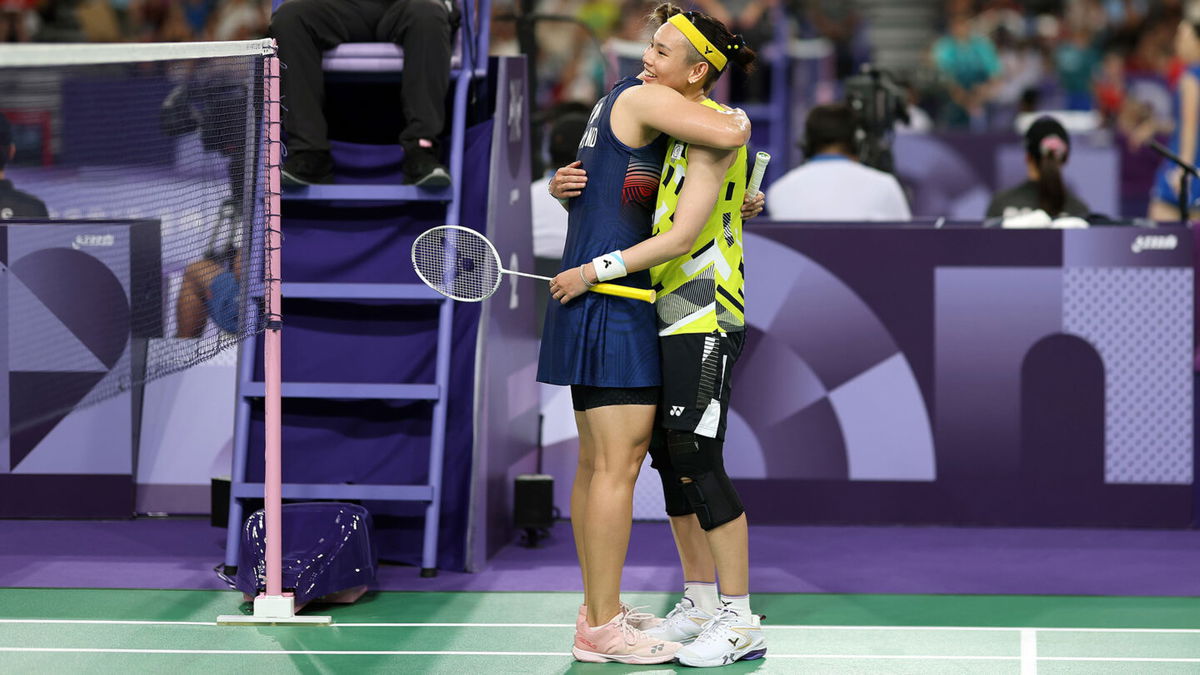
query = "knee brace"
x=698 y=465
x=660 y=459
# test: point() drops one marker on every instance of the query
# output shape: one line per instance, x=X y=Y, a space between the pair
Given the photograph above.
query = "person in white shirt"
x=832 y=185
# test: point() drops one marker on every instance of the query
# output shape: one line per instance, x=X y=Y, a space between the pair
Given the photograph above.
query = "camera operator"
x=833 y=184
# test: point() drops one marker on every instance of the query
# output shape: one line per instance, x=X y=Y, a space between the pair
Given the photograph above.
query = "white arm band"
x=609 y=266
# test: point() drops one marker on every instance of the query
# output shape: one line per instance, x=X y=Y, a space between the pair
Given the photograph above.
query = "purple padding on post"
x=327 y=547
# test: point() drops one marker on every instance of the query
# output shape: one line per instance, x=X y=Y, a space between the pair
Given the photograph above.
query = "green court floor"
x=162 y=631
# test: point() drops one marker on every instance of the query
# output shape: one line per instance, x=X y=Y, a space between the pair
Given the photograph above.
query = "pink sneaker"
x=620 y=642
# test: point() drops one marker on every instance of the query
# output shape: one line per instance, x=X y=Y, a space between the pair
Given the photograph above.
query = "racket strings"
x=457 y=263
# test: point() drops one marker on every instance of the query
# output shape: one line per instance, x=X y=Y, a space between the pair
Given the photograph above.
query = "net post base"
x=273 y=610
x=428 y=572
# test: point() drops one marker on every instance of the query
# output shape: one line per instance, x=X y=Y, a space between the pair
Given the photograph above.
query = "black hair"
x=564 y=137
x=733 y=46
x=1048 y=145
x=829 y=126
x=5 y=140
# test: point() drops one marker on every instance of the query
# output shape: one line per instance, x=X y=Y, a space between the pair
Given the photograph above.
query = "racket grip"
x=760 y=167
x=643 y=294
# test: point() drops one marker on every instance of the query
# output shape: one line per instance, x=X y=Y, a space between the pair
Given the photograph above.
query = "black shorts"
x=696 y=374
x=584 y=397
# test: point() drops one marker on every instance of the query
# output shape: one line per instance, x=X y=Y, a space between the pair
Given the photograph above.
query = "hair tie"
x=1053 y=145
x=736 y=42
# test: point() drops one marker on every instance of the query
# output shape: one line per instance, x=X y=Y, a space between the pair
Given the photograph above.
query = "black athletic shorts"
x=696 y=374
x=584 y=397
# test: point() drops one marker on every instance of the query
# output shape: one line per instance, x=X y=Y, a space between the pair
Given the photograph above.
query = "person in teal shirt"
x=970 y=66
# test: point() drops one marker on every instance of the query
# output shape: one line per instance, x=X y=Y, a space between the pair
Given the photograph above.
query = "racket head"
x=457 y=262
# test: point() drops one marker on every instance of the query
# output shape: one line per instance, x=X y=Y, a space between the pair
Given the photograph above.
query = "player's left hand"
x=569 y=285
x=752 y=206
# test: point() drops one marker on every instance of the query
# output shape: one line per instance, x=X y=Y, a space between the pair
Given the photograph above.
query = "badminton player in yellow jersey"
x=696 y=266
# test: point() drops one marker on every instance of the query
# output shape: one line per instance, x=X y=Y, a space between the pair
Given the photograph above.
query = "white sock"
x=703 y=595
x=738 y=604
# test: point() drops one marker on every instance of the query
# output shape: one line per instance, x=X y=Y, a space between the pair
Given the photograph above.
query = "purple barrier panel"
x=505 y=375
x=912 y=375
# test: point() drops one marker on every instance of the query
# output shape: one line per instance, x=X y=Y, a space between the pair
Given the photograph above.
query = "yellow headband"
x=701 y=43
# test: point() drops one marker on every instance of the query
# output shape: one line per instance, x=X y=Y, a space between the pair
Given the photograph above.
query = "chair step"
x=348 y=390
x=407 y=493
x=360 y=291
x=366 y=193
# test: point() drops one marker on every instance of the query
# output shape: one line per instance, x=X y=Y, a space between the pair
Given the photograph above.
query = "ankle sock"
x=703 y=595
x=739 y=604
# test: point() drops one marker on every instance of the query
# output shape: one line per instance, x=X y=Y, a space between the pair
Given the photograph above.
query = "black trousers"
x=306 y=28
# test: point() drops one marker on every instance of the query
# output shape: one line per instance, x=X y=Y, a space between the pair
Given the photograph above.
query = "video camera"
x=878 y=103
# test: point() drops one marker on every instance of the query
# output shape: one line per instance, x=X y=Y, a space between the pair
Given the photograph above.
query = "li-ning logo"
x=1154 y=242
x=82 y=240
x=676 y=410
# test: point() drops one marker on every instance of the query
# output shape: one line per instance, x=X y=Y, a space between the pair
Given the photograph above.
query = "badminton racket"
x=760 y=167
x=463 y=265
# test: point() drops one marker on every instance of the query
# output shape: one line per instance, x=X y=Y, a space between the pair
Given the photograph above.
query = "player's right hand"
x=568 y=181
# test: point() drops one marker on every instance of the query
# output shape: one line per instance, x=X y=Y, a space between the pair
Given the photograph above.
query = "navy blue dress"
x=602 y=340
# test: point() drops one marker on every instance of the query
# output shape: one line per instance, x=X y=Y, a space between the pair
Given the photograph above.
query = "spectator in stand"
x=832 y=184
x=424 y=28
x=840 y=23
x=13 y=202
x=1110 y=85
x=239 y=20
x=1076 y=60
x=18 y=20
x=970 y=68
x=158 y=21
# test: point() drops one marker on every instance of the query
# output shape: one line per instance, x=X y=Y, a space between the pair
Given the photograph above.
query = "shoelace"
x=632 y=635
x=633 y=615
x=678 y=612
x=709 y=631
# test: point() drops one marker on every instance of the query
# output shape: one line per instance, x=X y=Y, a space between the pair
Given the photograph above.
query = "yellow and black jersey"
x=702 y=292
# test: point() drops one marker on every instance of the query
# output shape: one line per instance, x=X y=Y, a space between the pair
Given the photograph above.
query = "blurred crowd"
x=988 y=60
x=132 y=20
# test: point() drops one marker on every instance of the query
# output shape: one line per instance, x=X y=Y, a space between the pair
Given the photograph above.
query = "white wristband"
x=609 y=266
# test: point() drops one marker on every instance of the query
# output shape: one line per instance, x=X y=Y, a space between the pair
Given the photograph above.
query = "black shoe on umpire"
x=306 y=167
x=422 y=168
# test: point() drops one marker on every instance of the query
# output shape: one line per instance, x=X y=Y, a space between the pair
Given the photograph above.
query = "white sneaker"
x=682 y=624
x=725 y=639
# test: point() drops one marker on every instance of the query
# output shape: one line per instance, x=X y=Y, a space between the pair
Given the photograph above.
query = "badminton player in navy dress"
x=606 y=348
x=1164 y=198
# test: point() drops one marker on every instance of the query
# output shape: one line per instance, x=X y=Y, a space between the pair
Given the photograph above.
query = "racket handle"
x=760 y=167
x=643 y=294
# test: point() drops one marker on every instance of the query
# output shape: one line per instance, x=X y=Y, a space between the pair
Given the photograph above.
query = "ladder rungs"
x=360 y=291
x=348 y=390
x=378 y=193
x=405 y=493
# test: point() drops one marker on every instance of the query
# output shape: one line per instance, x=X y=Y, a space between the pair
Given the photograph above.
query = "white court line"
x=1186 y=631
x=1028 y=652
x=334 y=652
x=317 y=652
x=113 y=622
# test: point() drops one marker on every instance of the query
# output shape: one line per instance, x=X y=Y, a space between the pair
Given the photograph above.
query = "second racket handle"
x=643 y=294
x=760 y=167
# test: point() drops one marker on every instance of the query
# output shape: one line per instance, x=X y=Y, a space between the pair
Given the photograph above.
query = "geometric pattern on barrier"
x=1140 y=321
